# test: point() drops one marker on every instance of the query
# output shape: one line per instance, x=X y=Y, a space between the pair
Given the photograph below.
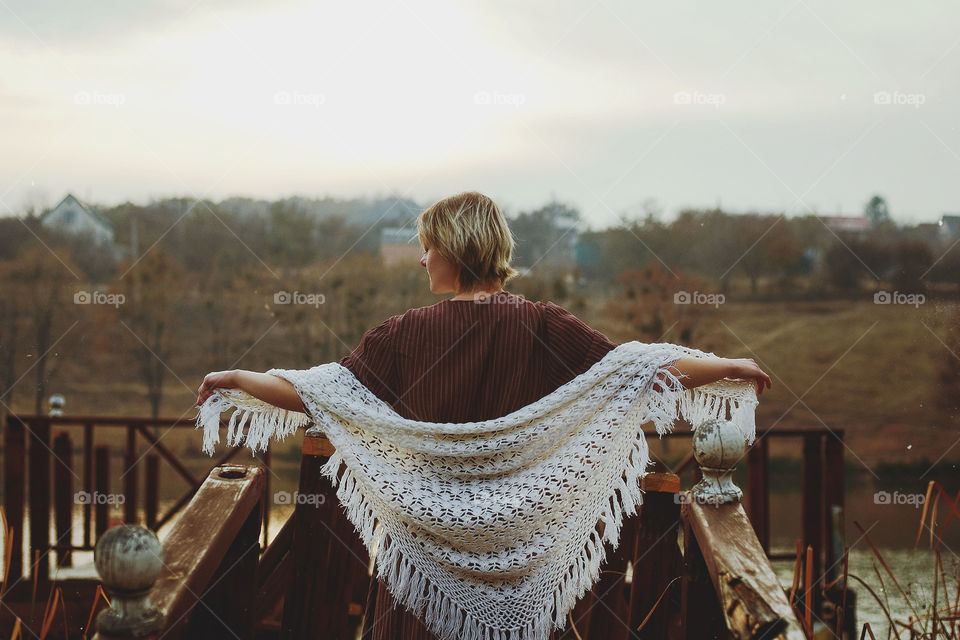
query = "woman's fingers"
x=213 y=381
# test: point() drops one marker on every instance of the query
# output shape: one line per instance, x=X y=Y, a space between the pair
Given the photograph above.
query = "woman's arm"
x=267 y=387
x=700 y=371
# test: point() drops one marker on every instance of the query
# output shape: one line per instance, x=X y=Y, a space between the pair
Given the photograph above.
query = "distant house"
x=857 y=225
x=399 y=245
x=949 y=226
x=75 y=218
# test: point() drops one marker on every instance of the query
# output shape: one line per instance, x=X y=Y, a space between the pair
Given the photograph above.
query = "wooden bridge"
x=683 y=569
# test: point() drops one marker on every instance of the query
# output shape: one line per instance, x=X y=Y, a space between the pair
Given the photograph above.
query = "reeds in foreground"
x=941 y=621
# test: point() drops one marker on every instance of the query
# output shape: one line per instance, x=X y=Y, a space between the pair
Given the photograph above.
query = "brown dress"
x=464 y=361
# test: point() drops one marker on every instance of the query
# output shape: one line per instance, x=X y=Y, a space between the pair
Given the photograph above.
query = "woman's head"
x=469 y=232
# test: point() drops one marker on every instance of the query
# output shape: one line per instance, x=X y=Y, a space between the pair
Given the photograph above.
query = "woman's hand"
x=747 y=369
x=216 y=380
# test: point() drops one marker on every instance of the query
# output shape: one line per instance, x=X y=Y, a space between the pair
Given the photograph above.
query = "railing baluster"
x=130 y=477
x=151 y=500
x=63 y=497
x=101 y=487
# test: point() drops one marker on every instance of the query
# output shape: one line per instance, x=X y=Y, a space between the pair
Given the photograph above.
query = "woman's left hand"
x=747 y=369
x=216 y=380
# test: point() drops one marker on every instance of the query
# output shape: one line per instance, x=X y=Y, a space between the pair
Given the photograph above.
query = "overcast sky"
x=792 y=106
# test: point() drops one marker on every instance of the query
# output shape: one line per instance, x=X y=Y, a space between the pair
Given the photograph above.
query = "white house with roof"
x=74 y=217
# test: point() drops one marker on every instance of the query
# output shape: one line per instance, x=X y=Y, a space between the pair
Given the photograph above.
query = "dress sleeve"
x=572 y=346
x=374 y=361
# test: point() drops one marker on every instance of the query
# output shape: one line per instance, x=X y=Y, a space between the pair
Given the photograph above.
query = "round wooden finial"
x=717 y=446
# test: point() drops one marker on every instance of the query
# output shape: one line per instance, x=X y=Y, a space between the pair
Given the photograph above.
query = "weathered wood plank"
x=206 y=533
x=753 y=601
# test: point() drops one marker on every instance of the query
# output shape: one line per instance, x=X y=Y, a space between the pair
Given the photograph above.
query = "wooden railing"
x=31 y=456
x=314 y=579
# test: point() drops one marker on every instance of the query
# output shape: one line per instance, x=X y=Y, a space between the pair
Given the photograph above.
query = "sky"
x=616 y=108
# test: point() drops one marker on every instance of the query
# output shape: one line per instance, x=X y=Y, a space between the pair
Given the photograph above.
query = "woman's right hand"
x=747 y=369
x=216 y=380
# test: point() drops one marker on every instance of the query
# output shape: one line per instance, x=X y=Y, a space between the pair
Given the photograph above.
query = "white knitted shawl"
x=487 y=530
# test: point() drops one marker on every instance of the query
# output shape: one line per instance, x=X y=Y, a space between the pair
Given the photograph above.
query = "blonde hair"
x=469 y=230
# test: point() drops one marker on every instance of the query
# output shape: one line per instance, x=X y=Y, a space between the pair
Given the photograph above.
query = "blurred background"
x=192 y=187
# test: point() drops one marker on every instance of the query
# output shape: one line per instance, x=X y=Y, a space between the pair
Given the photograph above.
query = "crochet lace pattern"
x=488 y=530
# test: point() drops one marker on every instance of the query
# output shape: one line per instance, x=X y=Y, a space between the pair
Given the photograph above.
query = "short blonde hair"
x=469 y=230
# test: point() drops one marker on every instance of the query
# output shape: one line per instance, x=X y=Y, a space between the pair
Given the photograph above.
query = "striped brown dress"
x=464 y=361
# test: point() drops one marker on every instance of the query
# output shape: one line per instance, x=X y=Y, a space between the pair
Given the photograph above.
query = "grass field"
x=868 y=369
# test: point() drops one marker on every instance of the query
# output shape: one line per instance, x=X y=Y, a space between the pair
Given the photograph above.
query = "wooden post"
x=758 y=485
x=324 y=568
x=610 y=617
x=40 y=501
x=833 y=484
x=151 y=500
x=813 y=507
x=14 y=490
x=130 y=477
x=63 y=498
x=657 y=559
x=101 y=488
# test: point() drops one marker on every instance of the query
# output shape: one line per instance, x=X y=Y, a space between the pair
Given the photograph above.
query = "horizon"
x=587 y=224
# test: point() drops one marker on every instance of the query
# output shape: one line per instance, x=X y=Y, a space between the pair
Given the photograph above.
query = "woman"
x=478 y=355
